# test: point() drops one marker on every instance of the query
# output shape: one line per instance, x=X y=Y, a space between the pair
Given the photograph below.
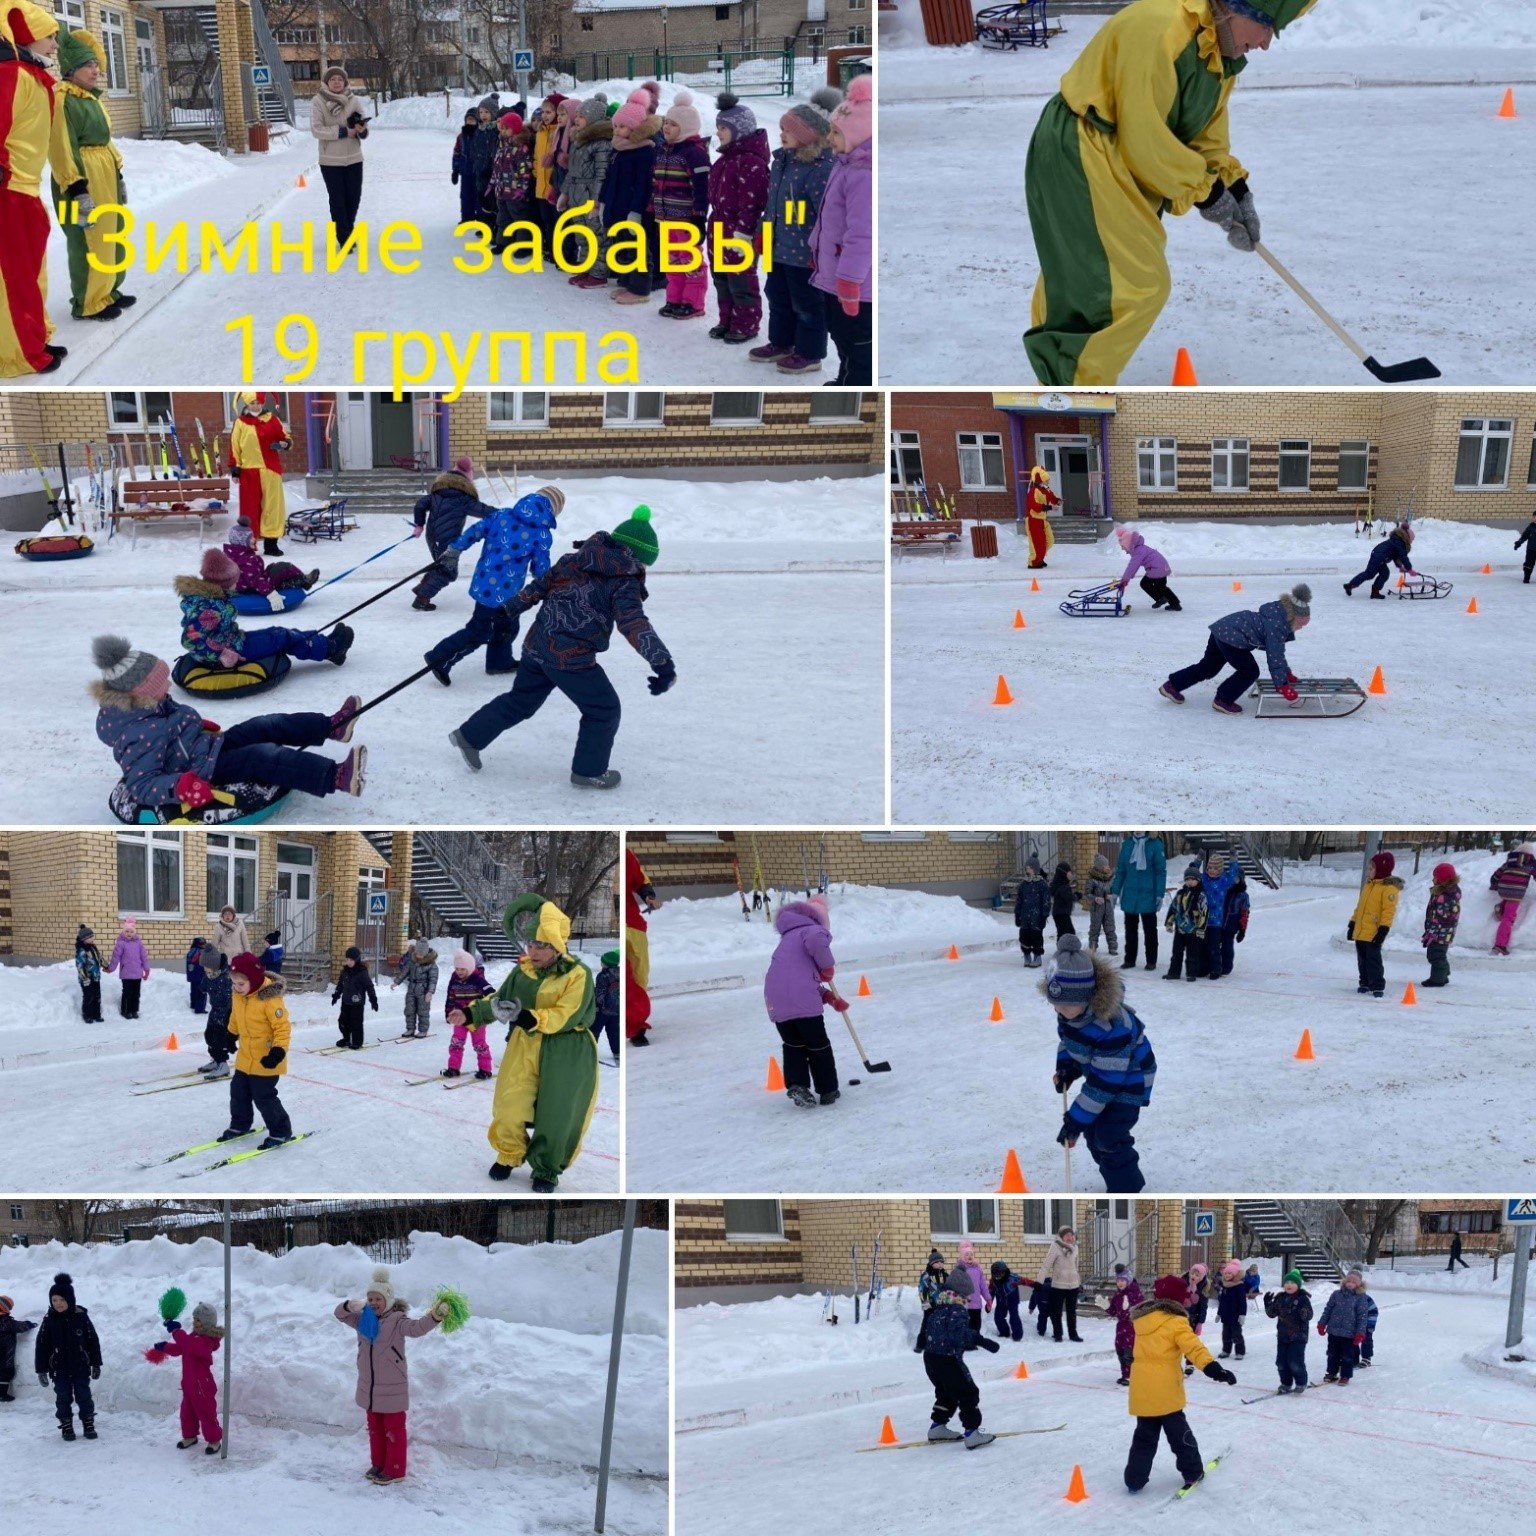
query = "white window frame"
x=694 y=839
x=1354 y=448
x=828 y=406
x=1053 y=1211
x=519 y=400
x=370 y=878
x=858 y=36
x=940 y=1235
x=1299 y=448
x=1530 y=474
x=18 y=1211
x=1488 y=430
x=892 y=837
x=982 y=443
x=140 y=415
x=754 y=1237
x=1164 y=453
x=114 y=25
x=902 y=439
x=974 y=837
x=717 y=420
x=70 y=12
x=1223 y=451
x=628 y=421
x=235 y=848
x=147 y=840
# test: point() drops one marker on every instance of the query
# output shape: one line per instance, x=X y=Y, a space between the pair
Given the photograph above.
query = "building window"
x=71 y=12
x=1229 y=463
x=633 y=408
x=586 y=24
x=149 y=874
x=857 y=36
x=370 y=878
x=722 y=13
x=130 y=408
x=694 y=837
x=1530 y=474
x=906 y=458
x=18 y=1212
x=736 y=408
x=1295 y=464
x=837 y=405
x=1043 y=1219
x=857 y=5
x=114 y=45
x=303 y=69
x=1482 y=460
x=892 y=837
x=1458 y=1221
x=964 y=1218
x=508 y=410
x=974 y=837
x=232 y=868
x=1354 y=465
x=754 y=1221
x=1157 y=463
x=981 y=460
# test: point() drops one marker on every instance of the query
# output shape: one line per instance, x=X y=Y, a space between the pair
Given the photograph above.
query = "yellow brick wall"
x=1426 y=432
x=702 y=1255
x=21 y=421
x=74 y=415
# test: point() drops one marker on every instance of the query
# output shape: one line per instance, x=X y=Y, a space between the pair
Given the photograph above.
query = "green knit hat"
x=1293 y=1277
x=77 y=48
x=611 y=957
x=636 y=534
x=1280 y=13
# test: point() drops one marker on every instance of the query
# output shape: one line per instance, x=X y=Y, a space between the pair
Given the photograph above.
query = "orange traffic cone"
x=1402 y=581
x=1076 y=1493
x=1472 y=606
x=1304 y=1050
x=1410 y=997
x=301 y=181
x=1378 y=682
x=171 y=1045
x=997 y=1010
x=1487 y=569
x=1018 y=619
x=954 y=954
x=864 y=987
x=775 y=1083
x=1002 y=696
x=1013 y=1176
x=1021 y=1372
x=887 y=1432
x=1184 y=370
x=1507 y=106
x=1237 y=586
x=1034 y=583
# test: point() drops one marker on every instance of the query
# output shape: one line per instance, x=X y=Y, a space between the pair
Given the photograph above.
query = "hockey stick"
x=858 y=1045
x=1416 y=369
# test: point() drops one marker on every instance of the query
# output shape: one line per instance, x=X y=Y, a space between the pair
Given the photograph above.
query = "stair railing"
x=272 y=56
x=468 y=864
x=1326 y=1224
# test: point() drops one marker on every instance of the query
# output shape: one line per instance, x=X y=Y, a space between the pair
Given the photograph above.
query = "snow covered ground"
x=506 y=1414
x=1412 y=90
x=1461 y=1062
x=73 y=1120
x=1422 y=1439
x=1089 y=738
x=771 y=596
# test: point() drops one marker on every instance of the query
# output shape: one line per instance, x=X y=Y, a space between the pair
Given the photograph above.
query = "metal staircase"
x=459 y=881
x=274 y=103
x=1256 y=853
x=306 y=932
x=1321 y=1241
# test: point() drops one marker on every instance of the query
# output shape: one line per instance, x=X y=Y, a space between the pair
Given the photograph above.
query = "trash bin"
x=984 y=541
x=256 y=138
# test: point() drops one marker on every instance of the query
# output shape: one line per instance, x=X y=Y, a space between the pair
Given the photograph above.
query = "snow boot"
x=339 y=644
x=769 y=352
x=1349 y=591
x=1378 y=597
x=212 y=1066
x=382 y=1479
x=500 y=1172
x=942 y=1432
x=423 y=604
x=1171 y=693
x=449 y=1072
x=111 y=312
x=468 y=753
x=797 y=364
x=439 y=671
x=269 y=547
x=1226 y=1354
x=231 y=1134
x=341 y=1044
x=1124 y=1381
x=977 y=1438
x=831 y=1098
x=211 y=1450
x=344 y=718
x=268 y=1142
x=1225 y=707
x=1286 y=1391
x=802 y=1098
x=67 y=1428
x=643 y=1038
x=608 y=779
x=88 y=1428
x=482 y=1075
x=717 y=332
x=1364 y=1365
x=310 y=578
x=1332 y=1379
x=1193 y=1482
x=543 y=1187
x=352 y=772
x=218 y=1073
x=184 y=1445
x=5 y=1393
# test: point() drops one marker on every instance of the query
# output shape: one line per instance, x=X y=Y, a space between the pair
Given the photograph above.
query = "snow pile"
x=1476 y=1280
x=1479 y=906
x=156 y=170
x=526 y=1376
x=1422 y=23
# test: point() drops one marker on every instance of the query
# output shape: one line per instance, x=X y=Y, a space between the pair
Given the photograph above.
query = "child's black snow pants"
x=808 y=1057
x=953 y=1388
x=1181 y=1441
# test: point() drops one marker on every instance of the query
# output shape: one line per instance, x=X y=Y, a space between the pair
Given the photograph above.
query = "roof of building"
x=592 y=7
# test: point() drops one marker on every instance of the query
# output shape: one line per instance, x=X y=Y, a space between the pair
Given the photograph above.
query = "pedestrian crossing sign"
x=1205 y=1223
x=522 y=61
x=378 y=903
x=261 y=74
x=1521 y=1210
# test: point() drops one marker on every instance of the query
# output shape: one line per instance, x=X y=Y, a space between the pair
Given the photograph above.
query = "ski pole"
x=331 y=623
x=181 y=463
x=1066 y=1151
x=66 y=491
x=371 y=558
x=42 y=474
x=858 y=1045
x=389 y=693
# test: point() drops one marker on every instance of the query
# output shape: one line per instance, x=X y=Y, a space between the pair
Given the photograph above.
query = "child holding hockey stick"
x=947 y=1338
x=795 y=991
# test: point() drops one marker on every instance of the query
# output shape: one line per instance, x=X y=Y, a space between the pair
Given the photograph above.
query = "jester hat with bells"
x=79 y=48
x=21 y=22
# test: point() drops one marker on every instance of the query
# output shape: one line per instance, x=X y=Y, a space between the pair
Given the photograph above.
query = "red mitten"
x=193 y=791
x=1322 y=1330
x=214 y=726
x=1289 y=694
x=848 y=295
x=829 y=973
x=839 y=1004
x=1359 y=1340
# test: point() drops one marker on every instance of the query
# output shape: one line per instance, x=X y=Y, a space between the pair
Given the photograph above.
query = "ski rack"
x=1418 y=587
x=1106 y=602
x=1321 y=698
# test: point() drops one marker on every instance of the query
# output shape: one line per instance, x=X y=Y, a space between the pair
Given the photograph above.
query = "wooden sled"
x=1320 y=698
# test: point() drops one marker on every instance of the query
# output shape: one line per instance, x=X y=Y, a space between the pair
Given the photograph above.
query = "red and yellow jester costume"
x=1038 y=502
x=254 y=444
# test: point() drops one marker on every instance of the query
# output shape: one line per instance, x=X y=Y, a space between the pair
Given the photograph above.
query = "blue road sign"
x=1521 y=1210
x=378 y=903
x=261 y=74
x=522 y=60
x=1205 y=1223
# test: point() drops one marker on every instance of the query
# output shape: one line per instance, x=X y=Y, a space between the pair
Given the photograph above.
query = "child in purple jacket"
x=795 y=991
x=738 y=203
x=260 y=577
x=841 y=243
x=130 y=959
x=1127 y=1296
x=1154 y=568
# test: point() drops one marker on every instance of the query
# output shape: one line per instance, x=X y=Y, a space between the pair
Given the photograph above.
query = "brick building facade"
x=700 y=28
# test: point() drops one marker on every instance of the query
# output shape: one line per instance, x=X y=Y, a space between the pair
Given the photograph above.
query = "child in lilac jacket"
x=795 y=991
x=842 y=242
x=130 y=959
x=1154 y=568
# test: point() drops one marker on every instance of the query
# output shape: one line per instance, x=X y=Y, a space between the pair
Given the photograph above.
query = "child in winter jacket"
x=88 y=974
x=797 y=184
x=272 y=956
x=545 y=148
x=130 y=959
x=1252 y=1281
x=626 y=197
x=738 y=204
x=1441 y=915
x=518 y=540
x=258 y=1023
x=1510 y=882
x=1004 y=1288
x=980 y=1301
x=418 y=975
x=268 y=579
x=11 y=1329
x=795 y=990
x=512 y=180
x=680 y=196
x=1393 y=550
x=589 y=592
x=607 y=984
x=1164 y=1341
x=1102 y=1042
x=949 y=1335
x=1269 y=628
x=1217 y=880
x=1186 y=921
x=1239 y=908
x=929 y=1284
x=1232 y=1308
x=1343 y=1323
x=1197 y=1279
x=842 y=245
x=210 y=625
x=1040 y=1305
x=482 y=150
x=218 y=982
x=68 y=1357
x=1153 y=565
x=451 y=500
x=1291 y=1309
x=197 y=987
x=354 y=988
x=1064 y=898
x=591 y=148
x=383 y=1323
x=1528 y=538
x=1126 y=1298
x=463 y=176
x=466 y=986
x=199 y=1392
x=1372 y=922
x=1031 y=909
x=1098 y=892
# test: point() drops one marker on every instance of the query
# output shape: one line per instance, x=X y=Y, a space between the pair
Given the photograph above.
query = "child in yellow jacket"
x=259 y=1023
x=1372 y=922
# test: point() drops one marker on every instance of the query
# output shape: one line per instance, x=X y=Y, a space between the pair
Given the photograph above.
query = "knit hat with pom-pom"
x=1170 y=1288
x=510 y=121
x=856 y=116
x=684 y=114
x=1298 y=600
x=554 y=496
x=636 y=535
x=62 y=1286
x=731 y=113
x=384 y=1286
x=127 y=671
x=219 y=569
x=594 y=109
x=811 y=121
x=636 y=108
x=249 y=966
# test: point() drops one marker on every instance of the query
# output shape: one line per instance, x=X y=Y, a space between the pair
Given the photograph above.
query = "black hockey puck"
x=853 y=1082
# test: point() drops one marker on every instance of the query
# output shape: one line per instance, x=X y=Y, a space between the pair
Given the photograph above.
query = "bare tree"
x=392 y=35
x=567 y=867
x=1375 y=1219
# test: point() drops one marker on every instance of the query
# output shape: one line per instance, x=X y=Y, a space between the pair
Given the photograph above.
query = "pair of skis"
x=214 y=1145
x=455 y=1082
x=1000 y=1434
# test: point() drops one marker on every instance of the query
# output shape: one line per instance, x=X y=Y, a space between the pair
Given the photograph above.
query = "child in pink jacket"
x=1154 y=568
x=130 y=959
x=199 y=1392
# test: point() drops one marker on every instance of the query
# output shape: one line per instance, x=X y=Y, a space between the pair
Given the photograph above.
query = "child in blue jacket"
x=272 y=956
x=464 y=177
x=1004 y=1285
x=196 y=984
x=1217 y=880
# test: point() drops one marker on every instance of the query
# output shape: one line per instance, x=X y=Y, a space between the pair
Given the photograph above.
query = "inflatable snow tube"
x=252 y=802
x=56 y=546
x=230 y=682
x=255 y=603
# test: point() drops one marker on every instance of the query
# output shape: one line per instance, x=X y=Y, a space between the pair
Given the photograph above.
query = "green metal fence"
x=747 y=72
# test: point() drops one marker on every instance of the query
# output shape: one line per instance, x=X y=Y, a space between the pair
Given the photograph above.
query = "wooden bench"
x=142 y=501
x=925 y=533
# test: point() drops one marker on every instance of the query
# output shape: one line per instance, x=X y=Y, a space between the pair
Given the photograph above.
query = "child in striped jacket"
x=680 y=195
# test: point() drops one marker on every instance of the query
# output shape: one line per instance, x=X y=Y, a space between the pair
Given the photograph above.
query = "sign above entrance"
x=1056 y=403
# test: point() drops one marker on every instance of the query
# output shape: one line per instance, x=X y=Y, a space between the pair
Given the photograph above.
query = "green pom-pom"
x=458 y=1308
x=641 y=514
x=173 y=1303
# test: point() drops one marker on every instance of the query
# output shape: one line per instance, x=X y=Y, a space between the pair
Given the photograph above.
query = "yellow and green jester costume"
x=86 y=164
x=548 y=1073
x=1138 y=129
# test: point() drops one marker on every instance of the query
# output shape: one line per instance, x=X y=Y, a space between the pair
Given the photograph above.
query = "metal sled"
x=1419 y=586
x=1106 y=602
x=1321 y=698
x=316 y=523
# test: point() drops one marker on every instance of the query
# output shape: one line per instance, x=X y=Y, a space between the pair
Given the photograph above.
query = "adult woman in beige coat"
x=1066 y=1279
x=229 y=936
x=341 y=147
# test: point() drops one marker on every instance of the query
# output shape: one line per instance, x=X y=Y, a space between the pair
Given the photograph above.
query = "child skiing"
x=1031 y=909
x=1291 y=1309
x=680 y=196
x=88 y=974
x=68 y=1357
x=608 y=1001
x=216 y=1036
x=383 y=1323
x=199 y=1393
x=929 y=1284
x=1372 y=922
x=11 y=1329
x=1216 y=880
x=1442 y=913
x=1231 y=1309
x=197 y=977
x=466 y=987
x=1393 y=550
x=948 y=1336
x=1064 y=898
x=795 y=991
x=1234 y=639
x=738 y=203
x=842 y=241
x=210 y=624
x=451 y=500
x=258 y=1022
x=1186 y=921
x=1122 y=1304
x=1103 y=1042
x=418 y=975
x=1098 y=892
x=1510 y=882
x=1343 y=1324
x=1003 y=1287
x=979 y=1300
x=583 y=596
x=1528 y=538
x=130 y=959
x=272 y=956
x=1164 y=1340
x=354 y=988
x=1153 y=565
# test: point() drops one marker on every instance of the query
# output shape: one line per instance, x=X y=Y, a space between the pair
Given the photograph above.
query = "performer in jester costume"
x=546 y=1087
x=87 y=175
x=1038 y=501
x=1138 y=129
x=255 y=441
